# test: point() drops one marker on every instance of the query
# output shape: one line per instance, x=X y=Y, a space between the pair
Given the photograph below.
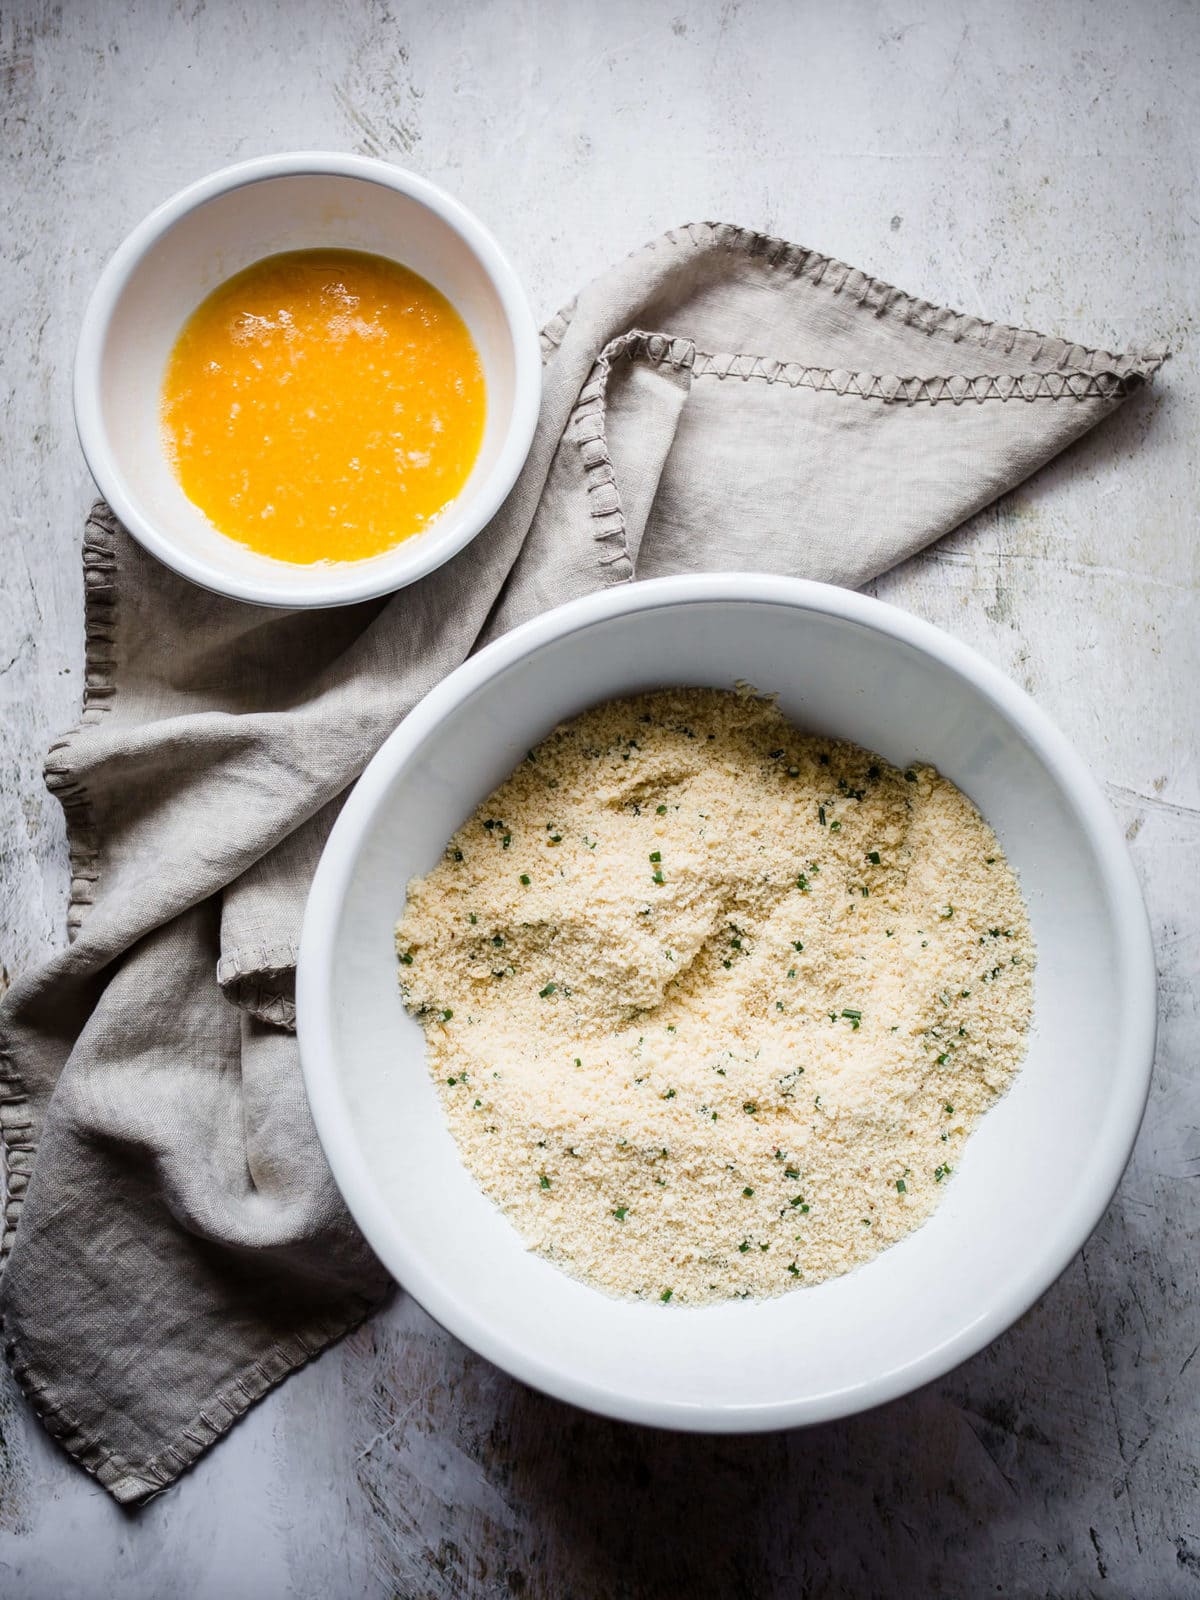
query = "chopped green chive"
x=657 y=876
x=821 y=815
x=543 y=1182
x=670 y=1095
x=794 y=1270
x=660 y=811
x=446 y=1015
x=749 y=1107
x=835 y=827
x=802 y=884
x=901 y=1186
x=747 y=1192
x=620 y=1213
x=406 y=959
x=943 y=1058
x=949 y=1110
x=854 y=1018
x=452 y=1081
x=791 y=972
x=656 y=855
x=525 y=879
x=497 y=940
x=665 y=1295
x=472 y=918
x=544 y=994
x=478 y=1103
x=873 y=857
x=797 y=944
x=790 y=1172
x=940 y=1172
x=744 y=1246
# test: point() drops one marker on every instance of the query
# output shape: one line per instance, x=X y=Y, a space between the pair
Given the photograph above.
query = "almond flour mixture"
x=712 y=1005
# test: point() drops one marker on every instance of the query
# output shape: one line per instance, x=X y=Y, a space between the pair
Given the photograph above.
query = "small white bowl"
x=1036 y=1175
x=215 y=228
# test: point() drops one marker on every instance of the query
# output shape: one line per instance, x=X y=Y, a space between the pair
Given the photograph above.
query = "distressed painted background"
x=1031 y=162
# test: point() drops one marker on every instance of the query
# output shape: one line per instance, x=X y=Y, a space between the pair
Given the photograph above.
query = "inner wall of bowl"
x=1022 y=1171
x=219 y=239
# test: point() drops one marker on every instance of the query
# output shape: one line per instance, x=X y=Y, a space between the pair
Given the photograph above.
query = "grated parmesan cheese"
x=712 y=1005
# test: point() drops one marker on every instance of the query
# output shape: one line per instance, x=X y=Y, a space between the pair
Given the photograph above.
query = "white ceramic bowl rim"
x=356 y=581
x=1065 y=1234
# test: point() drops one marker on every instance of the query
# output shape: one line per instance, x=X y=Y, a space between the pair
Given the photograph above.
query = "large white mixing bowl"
x=1035 y=1177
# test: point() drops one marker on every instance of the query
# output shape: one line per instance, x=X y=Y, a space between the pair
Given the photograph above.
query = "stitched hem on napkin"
x=1102 y=376
x=261 y=980
x=132 y=1482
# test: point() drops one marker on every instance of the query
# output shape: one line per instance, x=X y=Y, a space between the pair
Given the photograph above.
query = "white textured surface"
x=1027 y=162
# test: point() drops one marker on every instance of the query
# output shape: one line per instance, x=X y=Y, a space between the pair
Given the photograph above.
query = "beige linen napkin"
x=177 y=1246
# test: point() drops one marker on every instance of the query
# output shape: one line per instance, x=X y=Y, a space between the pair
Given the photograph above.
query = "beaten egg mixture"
x=323 y=405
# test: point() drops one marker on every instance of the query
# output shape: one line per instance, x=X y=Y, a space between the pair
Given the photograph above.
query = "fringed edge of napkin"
x=878 y=298
x=18 y=1147
x=131 y=1484
x=99 y=659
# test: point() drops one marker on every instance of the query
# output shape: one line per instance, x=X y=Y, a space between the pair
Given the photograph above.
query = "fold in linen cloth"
x=719 y=400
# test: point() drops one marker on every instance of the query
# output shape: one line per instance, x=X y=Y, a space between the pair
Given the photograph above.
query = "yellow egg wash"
x=323 y=405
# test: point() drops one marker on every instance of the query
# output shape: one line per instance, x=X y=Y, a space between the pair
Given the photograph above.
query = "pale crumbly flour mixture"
x=712 y=1005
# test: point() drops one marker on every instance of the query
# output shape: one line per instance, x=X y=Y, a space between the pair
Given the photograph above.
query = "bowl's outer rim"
x=358 y=581
x=1135 y=1048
